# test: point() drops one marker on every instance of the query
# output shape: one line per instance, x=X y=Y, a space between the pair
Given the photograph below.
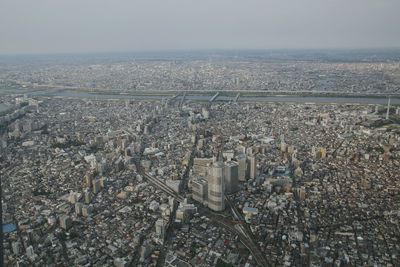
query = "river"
x=285 y=99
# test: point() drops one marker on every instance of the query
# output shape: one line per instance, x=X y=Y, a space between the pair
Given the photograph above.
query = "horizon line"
x=188 y=50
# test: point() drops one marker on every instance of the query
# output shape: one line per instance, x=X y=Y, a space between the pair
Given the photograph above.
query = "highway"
x=212 y=99
x=182 y=100
x=237 y=97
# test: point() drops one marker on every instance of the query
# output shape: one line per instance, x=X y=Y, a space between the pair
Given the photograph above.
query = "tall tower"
x=231 y=177
x=252 y=167
x=242 y=167
x=216 y=187
x=388 y=109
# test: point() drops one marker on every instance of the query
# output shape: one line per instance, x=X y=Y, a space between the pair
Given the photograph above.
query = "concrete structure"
x=161 y=229
x=216 y=187
x=242 y=161
x=252 y=167
x=200 y=190
x=78 y=208
x=65 y=222
x=96 y=186
x=88 y=179
x=88 y=197
x=231 y=177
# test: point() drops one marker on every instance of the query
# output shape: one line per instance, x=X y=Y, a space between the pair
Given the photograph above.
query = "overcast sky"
x=51 y=26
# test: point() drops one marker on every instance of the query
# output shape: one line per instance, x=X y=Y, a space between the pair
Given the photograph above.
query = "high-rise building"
x=252 y=167
x=78 y=208
x=96 y=186
x=231 y=177
x=86 y=210
x=88 y=179
x=65 y=222
x=199 y=190
x=242 y=161
x=88 y=197
x=216 y=187
x=72 y=198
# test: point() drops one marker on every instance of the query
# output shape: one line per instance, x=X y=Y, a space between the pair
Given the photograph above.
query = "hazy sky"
x=49 y=26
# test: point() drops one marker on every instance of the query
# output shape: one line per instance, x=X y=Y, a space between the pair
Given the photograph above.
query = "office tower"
x=216 y=187
x=201 y=166
x=96 y=186
x=252 y=167
x=231 y=177
x=78 y=208
x=65 y=222
x=242 y=161
x=88 y=179
x=88 y=197
x=199 y=190
x=86 y=210
x=72 y=198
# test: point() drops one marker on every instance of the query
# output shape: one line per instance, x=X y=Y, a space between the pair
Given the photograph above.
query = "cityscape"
x=205 y=133
x=174 y=182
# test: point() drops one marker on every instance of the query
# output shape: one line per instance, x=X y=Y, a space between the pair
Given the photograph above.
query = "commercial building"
x=200 y=190
x=231 y=177
x=252 y=167
x=216 y=187
x=242 y=161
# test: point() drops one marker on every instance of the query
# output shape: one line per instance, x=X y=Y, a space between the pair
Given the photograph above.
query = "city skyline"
x=187 y=133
